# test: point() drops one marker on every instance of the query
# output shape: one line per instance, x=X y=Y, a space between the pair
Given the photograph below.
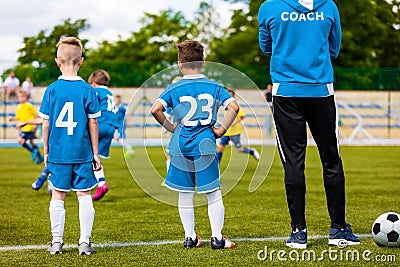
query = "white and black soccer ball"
x=386 y=230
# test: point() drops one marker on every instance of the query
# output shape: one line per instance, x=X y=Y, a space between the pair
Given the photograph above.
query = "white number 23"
x=186 y=120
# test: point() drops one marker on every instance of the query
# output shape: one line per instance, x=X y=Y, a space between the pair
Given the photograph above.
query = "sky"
x=108 y=19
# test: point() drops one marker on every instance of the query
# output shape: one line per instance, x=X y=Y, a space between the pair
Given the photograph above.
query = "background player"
x=108 y=123
x=233 y=134
x=70 y=136
x=26 y=112
x=36 y=185
x=195 y=101
x=120 y=134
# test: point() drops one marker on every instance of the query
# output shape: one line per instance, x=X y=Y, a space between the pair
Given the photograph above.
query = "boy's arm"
x=158 y=113
x=233 y=109
x=45 y=136
x=94 y=139
x=36 y=121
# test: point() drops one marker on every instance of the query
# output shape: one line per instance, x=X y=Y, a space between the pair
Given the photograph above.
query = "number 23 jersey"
x=195 y=101
x=68 y=103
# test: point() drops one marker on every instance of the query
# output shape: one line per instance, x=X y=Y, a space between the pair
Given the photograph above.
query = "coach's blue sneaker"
x=35 y=153
x=297 y=239
x=343 y=237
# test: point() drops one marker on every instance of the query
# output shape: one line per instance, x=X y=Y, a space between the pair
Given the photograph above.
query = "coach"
x=302 y=37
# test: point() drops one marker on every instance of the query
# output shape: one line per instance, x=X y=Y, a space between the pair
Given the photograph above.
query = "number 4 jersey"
x=68 y=103
x=195 y=101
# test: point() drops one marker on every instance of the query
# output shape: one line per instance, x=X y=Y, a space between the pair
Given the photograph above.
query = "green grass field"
x=130 y=226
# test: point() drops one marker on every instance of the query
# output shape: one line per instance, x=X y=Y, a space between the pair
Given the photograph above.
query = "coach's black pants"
x=291 y=115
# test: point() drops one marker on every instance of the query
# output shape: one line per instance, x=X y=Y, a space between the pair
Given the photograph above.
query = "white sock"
x=100 y=174
x=86 y=218
x=216 y=212
x=57 y=220
x=125 y=144
x=186 y=212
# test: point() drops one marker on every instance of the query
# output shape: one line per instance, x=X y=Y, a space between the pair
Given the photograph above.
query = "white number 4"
x=70 y=124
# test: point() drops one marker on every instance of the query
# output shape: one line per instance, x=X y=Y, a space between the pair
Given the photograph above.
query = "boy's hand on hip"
x=96 y=162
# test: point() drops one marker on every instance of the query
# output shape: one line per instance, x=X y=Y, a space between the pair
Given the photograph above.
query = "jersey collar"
x=193 y=76
x=70 y=78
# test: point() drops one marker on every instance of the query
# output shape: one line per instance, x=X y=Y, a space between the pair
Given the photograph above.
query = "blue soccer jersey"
x=107 y=106
x=195 y=101
x=68 y=103
x=121 y=120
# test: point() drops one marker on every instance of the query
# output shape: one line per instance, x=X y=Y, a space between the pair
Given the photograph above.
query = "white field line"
x=161 y=242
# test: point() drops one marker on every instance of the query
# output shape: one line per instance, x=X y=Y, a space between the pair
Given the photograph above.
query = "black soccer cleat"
x=190 y=243
x=221 y=244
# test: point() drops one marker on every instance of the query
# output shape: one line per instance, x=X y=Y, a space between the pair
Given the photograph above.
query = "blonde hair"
x=23 y=93
x=69 y=50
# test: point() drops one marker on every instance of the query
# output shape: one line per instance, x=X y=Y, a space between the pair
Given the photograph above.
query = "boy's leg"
x=36 y=152
x=223 y=141
x=42 y=178
x=220 y=151
x=186 y=213
x=216 y=213
x=102 y=187
x=57 y=216
x=106 y=134
x=24 y=144
x=242 y=149
x=86 y=215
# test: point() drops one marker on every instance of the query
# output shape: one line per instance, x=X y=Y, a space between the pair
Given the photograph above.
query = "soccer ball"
x=386 y=230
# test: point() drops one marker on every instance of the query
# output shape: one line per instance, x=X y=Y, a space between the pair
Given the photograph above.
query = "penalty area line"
x=161 y=242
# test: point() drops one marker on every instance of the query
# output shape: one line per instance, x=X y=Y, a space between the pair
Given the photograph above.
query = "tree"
x=205 y=26
x=239 y=46
x=38 y=53
x=371 y=31
x=371 y=36
x=147 y=51
x=42 y=48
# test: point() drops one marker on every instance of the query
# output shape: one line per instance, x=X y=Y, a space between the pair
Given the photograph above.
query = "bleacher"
x=368 y=115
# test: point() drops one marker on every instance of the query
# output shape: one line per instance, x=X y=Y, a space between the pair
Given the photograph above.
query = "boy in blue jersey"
x=120 y=134
x=108 y=123
x=195 y=101
x=70 y=137
x=302 y=37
